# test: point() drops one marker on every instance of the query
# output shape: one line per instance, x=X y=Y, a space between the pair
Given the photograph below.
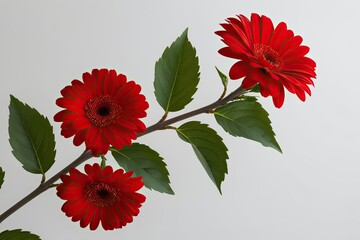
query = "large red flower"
x=102 y=110
x=271 y=57
x=100 y=195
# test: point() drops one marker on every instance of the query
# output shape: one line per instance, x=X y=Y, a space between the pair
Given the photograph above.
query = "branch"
x=44 y=186
x=87 y=155
x=162 y=124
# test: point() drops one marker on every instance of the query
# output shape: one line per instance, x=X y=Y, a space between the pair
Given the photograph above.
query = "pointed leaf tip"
x=247 y=118
x=176 y=75
x=147 y=163
x=223 y=77
x=31 y=137
x=208 y=147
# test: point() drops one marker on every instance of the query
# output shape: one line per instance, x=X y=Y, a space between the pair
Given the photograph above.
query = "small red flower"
x=100 y=195
x=272 y=58
x=102 y=110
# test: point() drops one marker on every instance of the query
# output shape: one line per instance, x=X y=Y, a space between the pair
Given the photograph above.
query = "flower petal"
x=274 y=58
x=239 y=70
x=91 y=198
x=248 y=83
x=104 y=98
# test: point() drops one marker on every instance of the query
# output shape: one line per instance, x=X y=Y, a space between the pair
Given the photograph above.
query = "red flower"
x=103 y=110
x=273 y=58
x=100 y=196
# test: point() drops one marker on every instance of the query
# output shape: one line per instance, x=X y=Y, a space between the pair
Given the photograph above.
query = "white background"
x=311 y=191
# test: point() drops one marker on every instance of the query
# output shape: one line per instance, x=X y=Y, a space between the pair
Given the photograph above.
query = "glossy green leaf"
x=18 y=234
x=223 y=77
x=208 y=147
x=144 y=162
x=2 y=176
x=247 y=118
x=176 y=75
x=31 y=137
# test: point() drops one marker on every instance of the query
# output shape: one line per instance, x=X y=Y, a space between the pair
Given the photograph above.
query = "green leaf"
x=176 y=75
x=255 y=88
x=208 y=147
x=248 y=98
x=18 y=234
x=2 y=175
x=31 y=137
x=223 y=77
x=247 y=118
x=144 y=162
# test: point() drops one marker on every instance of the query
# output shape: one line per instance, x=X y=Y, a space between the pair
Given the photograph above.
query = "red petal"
x=256 y=28
x=242 y=32
x=278 y=101
x=109 y=82
x=80 y=89
x=278 y=36
x=264 y=91
x=90 y=82
x=290 y=45
x=105 y=219
x=81 y=123
x=118 y=85
x=284 y=37
x=239 y=69
x=87 y=217
x=79 y=137
x=96 y=220
x=267 y=29
x=107 y=171
x=288 y=86
x=101 y=78
x=112 y=216
x=60 y=115
x=67 y=132
x=235 y=44
x=248 y=83
x=300 y=93
x=95 y=142
x=228 y=52
x=300 y=51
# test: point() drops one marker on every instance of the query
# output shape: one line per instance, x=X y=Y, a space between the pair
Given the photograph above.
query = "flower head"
x=102 y=110
x=271 y=57
x=100 y=195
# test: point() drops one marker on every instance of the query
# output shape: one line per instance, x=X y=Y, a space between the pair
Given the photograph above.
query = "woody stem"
x=87 y=154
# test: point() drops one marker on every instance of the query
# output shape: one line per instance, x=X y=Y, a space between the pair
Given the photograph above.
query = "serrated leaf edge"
x=276 y=146
x=117 y=151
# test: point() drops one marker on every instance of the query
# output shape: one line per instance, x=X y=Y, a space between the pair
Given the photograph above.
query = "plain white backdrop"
x=311 y=191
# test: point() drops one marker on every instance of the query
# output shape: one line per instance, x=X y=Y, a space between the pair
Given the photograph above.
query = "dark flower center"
x=101 y=194
x=270 y=59
x=103 y=111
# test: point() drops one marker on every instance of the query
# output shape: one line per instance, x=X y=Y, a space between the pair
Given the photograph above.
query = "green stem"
x=103 y=162
x=163 y=124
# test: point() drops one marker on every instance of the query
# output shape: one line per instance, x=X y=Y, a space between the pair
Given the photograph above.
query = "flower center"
x=103 y=111
x=101 y=194
x=267 y=57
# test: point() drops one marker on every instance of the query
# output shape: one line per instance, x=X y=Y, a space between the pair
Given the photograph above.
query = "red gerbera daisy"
x=100 y=195
x=272 y=58
x=103 y=110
